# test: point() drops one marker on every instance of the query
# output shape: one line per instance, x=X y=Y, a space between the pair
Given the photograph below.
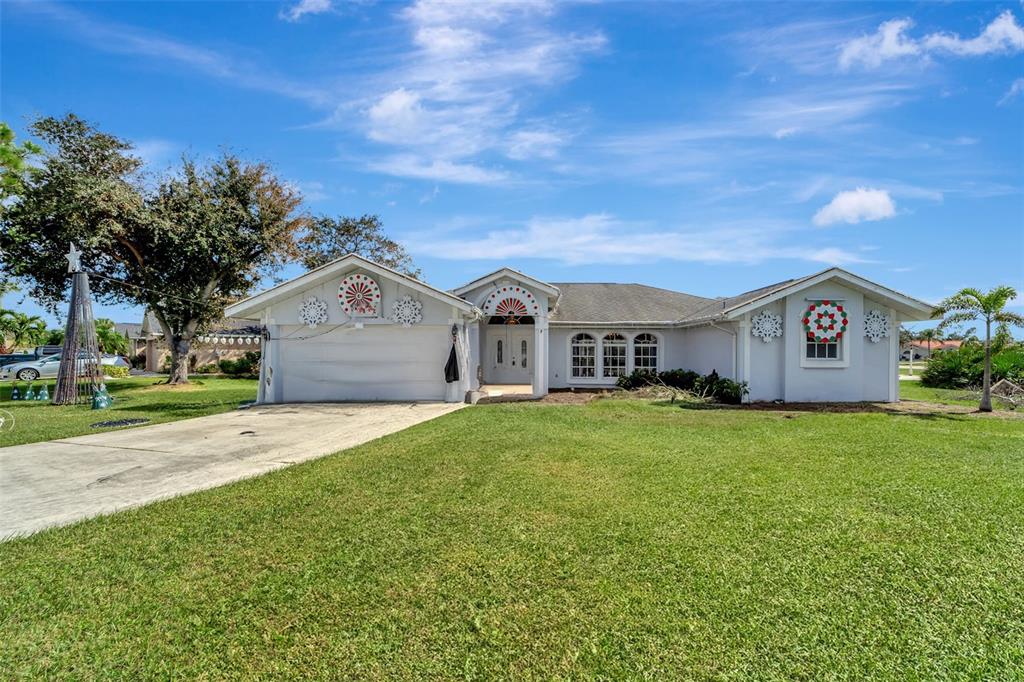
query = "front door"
x=510 y=354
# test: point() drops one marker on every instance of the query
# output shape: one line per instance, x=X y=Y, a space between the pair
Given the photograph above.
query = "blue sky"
x=707 y=148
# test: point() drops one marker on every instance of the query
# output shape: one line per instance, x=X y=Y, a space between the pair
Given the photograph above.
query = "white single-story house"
x=355 y=330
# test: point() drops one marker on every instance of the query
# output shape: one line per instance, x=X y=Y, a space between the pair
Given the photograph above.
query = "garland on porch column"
x=825 y=321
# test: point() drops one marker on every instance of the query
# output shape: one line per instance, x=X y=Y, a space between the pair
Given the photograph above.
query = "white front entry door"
x=510 y=354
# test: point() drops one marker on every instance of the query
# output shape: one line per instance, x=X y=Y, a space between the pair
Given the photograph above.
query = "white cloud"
x=603 y=238
x=532 y=144
x=1016 y=88
x=457 y=90
x=853 y=206
x=304 y=7
x=1003 y=35
x=888 y=42
x=783 y=133
x=441 y=170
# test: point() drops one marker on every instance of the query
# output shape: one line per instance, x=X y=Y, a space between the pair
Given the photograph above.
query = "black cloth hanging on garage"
x=451 y=368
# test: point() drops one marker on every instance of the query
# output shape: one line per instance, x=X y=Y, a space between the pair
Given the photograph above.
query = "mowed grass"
x=614 y=540
x=913 y=390
x=134 y=398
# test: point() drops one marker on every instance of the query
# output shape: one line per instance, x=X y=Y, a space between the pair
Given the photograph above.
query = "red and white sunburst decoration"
x=511 y=302
x=359 y=296
x=510 y=307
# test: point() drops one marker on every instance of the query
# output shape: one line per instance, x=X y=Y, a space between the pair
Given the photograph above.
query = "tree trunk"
x=180 y=347
x=986 y=380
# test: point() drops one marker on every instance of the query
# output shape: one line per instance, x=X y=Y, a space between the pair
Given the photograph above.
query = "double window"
x=609 y=357
x=645 y=352
x=584 y=356
x=614 y=355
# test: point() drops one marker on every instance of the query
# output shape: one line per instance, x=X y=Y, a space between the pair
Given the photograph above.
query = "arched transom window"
x=584 y=356
x=614 y=355
x=645 y=352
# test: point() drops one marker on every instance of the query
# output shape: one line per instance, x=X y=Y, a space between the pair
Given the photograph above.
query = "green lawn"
x=613 y=540
x=913 y=390
x=133 y=398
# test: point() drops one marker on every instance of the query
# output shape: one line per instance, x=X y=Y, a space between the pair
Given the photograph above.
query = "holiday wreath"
x=825 y=321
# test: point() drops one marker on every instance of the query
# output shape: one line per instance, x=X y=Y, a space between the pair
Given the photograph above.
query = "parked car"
x=11 y=358
x=43 y=351
x=47 y=367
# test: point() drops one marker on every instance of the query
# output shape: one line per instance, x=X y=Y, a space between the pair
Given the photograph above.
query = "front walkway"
x=61 y=481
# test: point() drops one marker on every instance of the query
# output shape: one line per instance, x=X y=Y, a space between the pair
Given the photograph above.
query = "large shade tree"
x=326 y=239
x=182 y=245
x=968 y=305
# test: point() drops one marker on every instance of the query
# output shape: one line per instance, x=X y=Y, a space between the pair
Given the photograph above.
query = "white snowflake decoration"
x=406 y=311
x=313 y=311
x=876 y=325
x=766 y=326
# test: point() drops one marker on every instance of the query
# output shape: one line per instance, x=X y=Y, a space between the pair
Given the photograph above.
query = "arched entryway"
x=509 y=352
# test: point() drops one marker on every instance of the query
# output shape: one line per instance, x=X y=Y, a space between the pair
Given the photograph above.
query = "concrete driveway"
x=61 y=481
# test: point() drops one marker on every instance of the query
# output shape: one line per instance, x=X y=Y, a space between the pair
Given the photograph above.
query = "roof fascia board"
x=902 y=300
x=551 y=291
x=255 y=304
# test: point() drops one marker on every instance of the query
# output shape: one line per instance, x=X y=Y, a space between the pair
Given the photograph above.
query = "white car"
x=47 y=367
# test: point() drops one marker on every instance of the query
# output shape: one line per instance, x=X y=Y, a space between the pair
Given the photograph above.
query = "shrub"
x=115 y=371
x=710 y=386
x=965 y=367
x=211 y=368
x=638 y=379
x=246 y=365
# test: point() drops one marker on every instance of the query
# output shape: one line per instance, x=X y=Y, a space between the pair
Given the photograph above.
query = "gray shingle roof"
x=723 y=304
x=585 y=302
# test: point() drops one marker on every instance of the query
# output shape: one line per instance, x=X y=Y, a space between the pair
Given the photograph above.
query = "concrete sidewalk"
x=58 y=482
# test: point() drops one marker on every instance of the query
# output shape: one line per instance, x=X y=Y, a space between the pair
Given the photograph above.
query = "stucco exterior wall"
x=340 y=361
x=766 y=374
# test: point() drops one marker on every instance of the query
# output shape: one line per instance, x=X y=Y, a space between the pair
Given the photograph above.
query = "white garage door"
x=374 y=363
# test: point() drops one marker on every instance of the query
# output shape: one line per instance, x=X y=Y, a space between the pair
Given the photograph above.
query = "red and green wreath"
x=825 y=321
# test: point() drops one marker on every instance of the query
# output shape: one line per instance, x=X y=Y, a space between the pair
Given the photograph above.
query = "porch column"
x=540 y=356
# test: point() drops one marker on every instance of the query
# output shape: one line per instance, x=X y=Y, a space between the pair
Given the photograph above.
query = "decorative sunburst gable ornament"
x=825 y=321
x=406 y=311
x=312 y=312
x=876 y=325
x=766 y=326
x=511 y=302
x=359 y=296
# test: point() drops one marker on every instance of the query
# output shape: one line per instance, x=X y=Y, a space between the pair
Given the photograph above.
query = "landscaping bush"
x=247 y=365
x=638 y=379
x=211 y=368
x=710 y=386
x=964 y=367
x=115 y=371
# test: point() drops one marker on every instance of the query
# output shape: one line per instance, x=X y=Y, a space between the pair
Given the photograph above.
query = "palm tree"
x=6 y=328
x=970 y=304
x=929 y=335
x=110 y=340
x=24 y=330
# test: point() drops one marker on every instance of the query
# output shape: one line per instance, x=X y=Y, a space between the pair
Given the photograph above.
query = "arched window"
x=522 y=351
x=614 y=355
x=645 y=352
x=584 y=356
x=500 y=359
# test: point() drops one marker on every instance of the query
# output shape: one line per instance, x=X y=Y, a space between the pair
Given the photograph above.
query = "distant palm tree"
x=929 y=335
x=970 y=304
x=24 y=330
x=110 y=340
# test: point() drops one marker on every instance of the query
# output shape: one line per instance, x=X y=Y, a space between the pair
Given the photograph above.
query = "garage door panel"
x=375 y=363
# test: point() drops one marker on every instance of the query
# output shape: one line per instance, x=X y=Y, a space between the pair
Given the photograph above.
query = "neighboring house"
x=355 y=330
x=228 y=340
x=923 y=352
